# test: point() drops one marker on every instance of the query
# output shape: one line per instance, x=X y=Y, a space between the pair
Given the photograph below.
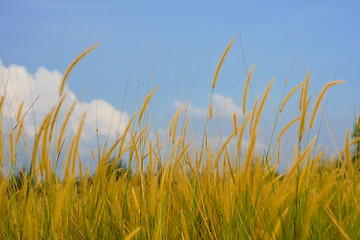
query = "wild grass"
x=212 y=192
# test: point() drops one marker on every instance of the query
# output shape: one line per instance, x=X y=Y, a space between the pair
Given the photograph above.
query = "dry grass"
x=214 y=192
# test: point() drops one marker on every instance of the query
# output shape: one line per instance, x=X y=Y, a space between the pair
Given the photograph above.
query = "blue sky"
x=180 y=44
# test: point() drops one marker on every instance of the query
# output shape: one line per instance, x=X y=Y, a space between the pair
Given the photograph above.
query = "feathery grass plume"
x=173 y=124
x=158 y=145
x=80 y=168
x=231 y=168
x=327 y=86
x=249 y=155
x=2 y=101
x=11 y=143
x=151 y=164
x=246 y=88
x=19 y=132
x=211 y=96
x=141 y=134
x=44 y=148
x=211 y=111
x=184 y=131
x=68 y=160
x=223 y=148
x=63 y=127
x=146 y=101
x=56 y=113
x=179 y=156
x=134 y=146
x=286 y=127
x=289 y=95
x=92 y=153
x=19 y=112
x=110 y=151
x=220 y=63
x=25 y=114
x=350 y=169
x=72 y=65
x=121 y=150
x=235 y=123
x=281 y=133
x=303 y=105
x=174 y=151
x=303 y=85
x=36 y=143
x=262 y=104
x=242 y=129
x=76 y=143
x=253 y=112
x=306 y=87
x=303 y=120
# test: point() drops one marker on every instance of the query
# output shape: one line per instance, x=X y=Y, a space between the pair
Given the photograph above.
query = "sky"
x=177 y=46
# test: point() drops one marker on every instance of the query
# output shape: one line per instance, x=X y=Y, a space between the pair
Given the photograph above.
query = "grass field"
x=205 y=192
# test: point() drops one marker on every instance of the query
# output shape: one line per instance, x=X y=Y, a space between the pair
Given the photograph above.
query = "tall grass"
x=214 y=192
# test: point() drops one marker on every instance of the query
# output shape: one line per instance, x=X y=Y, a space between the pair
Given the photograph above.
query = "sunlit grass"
x=212 y=192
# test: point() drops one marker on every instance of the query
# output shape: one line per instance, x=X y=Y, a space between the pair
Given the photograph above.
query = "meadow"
x=194 y=191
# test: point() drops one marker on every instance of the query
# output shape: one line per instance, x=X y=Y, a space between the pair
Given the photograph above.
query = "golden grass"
x=173 y=124
x=287 y=126
x=261 y=106
x=304 y=102
x=318 y=101
x=72 y=65
x=221 y=62
x=174 y=189
x=246 y=88
x=289 y=95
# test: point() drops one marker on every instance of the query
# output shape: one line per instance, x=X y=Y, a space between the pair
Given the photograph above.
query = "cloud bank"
x=18 y=85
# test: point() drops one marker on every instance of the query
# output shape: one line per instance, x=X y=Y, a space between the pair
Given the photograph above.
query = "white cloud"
x=192 y=111
x=18 y=85
x=223 y=108
x=218 y=132
x=102 y=116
